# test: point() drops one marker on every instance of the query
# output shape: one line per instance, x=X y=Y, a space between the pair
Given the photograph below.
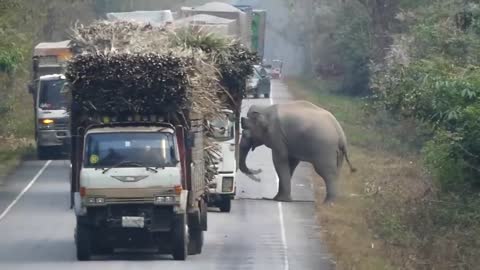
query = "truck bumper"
x=110 y=217
x=53 y=137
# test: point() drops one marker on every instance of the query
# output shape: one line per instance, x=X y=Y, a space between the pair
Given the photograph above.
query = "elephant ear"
x=244 y=123
x=258 y=119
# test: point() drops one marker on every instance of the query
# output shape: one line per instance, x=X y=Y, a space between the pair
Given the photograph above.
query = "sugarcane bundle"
x=125 y=66
x=212 y=156
x=106 y=36
x=233 y=60
x=115 y=84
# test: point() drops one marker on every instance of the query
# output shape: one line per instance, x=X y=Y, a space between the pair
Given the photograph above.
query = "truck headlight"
x=46 y=123
x=227 y=184
x=95 y=200
x=165 y=200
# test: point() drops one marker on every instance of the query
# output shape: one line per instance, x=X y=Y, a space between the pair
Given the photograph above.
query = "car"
x=259 y=83
x=277 y=67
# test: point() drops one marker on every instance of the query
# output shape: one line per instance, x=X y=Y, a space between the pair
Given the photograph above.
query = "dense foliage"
x=433 y=75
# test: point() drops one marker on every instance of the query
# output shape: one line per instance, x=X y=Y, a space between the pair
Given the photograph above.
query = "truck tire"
x=203 y=215
x=195 y=242
x=83 y=242
x=226 y=205
x=180 y=238
x=43 y=153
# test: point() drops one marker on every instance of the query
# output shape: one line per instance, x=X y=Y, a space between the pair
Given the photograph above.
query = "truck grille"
x=156 y=218
x=128 y=200
x=61 y=123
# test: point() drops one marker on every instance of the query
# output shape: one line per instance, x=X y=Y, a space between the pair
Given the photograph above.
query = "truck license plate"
x=133 y=222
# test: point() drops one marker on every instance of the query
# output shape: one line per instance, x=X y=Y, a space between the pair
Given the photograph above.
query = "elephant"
x=295 y=131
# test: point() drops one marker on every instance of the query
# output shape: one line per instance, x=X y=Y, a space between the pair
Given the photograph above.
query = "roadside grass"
x=389 y=214
x=12 y=150
x=16 y=132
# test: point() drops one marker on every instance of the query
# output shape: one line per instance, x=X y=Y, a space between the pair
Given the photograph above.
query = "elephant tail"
x=344 y=151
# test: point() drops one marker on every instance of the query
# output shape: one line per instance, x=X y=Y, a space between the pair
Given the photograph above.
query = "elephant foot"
x=282 y=198
x=329 y=200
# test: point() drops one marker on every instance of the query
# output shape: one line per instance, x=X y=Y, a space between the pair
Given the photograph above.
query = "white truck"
x=52 y=134
x=222 y=190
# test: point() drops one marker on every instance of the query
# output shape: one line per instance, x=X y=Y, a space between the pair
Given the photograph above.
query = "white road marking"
x=280 y=214
x=30 y=184
x=284 y=238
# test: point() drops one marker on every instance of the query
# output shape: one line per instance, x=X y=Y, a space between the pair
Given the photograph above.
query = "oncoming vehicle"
x=51 y=117
x=222 y=189
x=51 y=127
x=277 y=67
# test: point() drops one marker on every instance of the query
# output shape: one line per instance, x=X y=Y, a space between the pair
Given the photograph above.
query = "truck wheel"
x=203 y=215
x=180 y=238
x=195 y=243
x=83 y=242
x=226 y=205
x=43 y=153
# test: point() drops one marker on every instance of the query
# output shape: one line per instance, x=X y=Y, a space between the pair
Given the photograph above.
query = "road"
x=36 y=224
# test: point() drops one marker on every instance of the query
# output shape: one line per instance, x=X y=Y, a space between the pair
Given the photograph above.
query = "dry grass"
x=348 y=230
x=11 y=152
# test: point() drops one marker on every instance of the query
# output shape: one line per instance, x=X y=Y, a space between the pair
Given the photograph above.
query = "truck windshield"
x=222 y=129
x=148 y=148
x=51 y=96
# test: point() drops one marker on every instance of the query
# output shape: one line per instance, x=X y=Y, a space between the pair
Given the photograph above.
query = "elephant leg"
x=282 y=167
x=328 y=171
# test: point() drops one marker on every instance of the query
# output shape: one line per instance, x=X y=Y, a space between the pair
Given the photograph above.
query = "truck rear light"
x=227 y=184
x=178 y=189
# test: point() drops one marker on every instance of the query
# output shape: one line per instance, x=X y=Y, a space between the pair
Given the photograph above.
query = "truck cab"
x=51 y=116
x=222 y=189
x=132 y=191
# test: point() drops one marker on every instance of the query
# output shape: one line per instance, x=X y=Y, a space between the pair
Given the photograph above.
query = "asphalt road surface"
x=36 y=224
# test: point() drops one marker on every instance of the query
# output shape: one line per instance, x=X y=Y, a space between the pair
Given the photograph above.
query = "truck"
x=227 y=11
x=137 y=177
x=259 y=22
x=257 y=19
x=50 y=114
x=222 y=190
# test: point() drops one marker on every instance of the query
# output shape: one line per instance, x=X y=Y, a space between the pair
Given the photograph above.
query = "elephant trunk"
x=245 y=146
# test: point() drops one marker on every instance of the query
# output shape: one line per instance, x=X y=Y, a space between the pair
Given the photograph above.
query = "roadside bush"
x=10 y=58
x=435 y=79
x=352 y=40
